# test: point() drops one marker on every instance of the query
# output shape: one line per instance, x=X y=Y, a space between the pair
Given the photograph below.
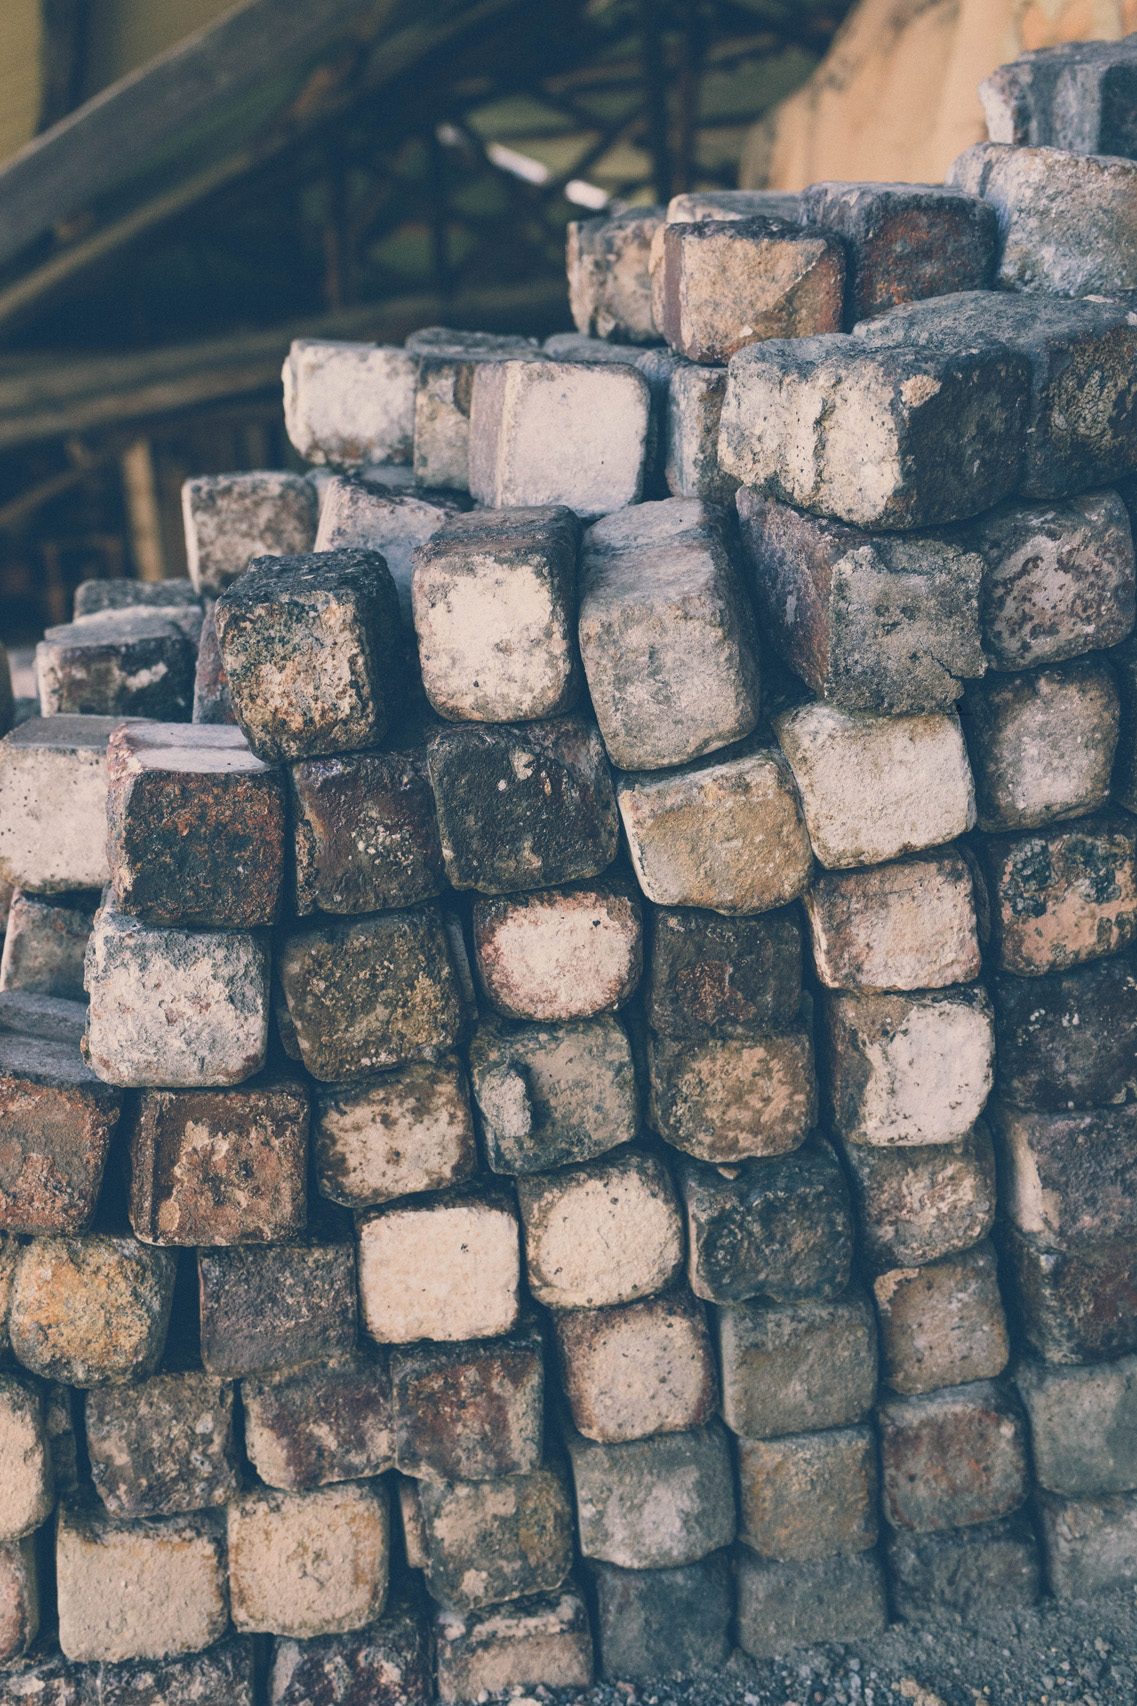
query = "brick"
x=663 y=1622
x=808 y=1496
x=1028 y=102
x=277 y=1306
x=942 y=1324
x=791 y=1368
x=873 y=788
x=1079 y=430
x=232 y=518
x=310 y=1426
x=347 y=404
x=779 y=1229
x=119 y=663
x=917 y=1202
x=1090 y=1544
x=471 y=1412
x=147 y=1590
x=19 y=1599
x=551 y=1094
x=409 y=1129
x=1062 y=895
x=1058 y=578
x=311 y=1563
x=211 y=701
x=362 y=512
x=951 y=1458
x=969 y=1573
x=710 y=976
x=53 y=793
x=870 y=621
x=558 y=432
x=179 y=1009
x=1069 y=1179
x=908 y=925
x=782 y=1606
x=1082 y=1426
x=44 y=944
x=691 y=434
x=1066 y=225
x=666 y=635
x=911 y=1068
x=489 y=1541
x=608 y=278
x=385 y=1664
x=92 y=597
x=164 y=1446
x=494 y=600
x=195 y=826
x=364 y=994
x=46 y=1678
x=26 y=1490
x=1042 y=744
x=442 y=1267
x=539 y=1640
x=310 y=647
x=658 y=366
x=652 y=1504
x=220 y=1676
x=732 y=204
x=91 y=1311
x=58 y=1122
x=1074 y=1306
x=729 y=283
x=562 y=953
x=940 y=429
x=47 y=1017
x=1066 y=1040
x=638 y=1368
x=523 y=807
x=600 y=1233
x=726 y=1100
x=726 y=834
x=448 y=360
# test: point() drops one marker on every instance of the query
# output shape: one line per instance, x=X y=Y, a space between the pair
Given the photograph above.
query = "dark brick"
x=163 y=1446
x=470 y=1412
x=309 y=1426
x=58 y=1120
x=273 y=1307
x=654 y=1623
x=969 y=1573
x=1068 y=1040
x=710 y=976
x=953 y=1457
x=1074 y=1306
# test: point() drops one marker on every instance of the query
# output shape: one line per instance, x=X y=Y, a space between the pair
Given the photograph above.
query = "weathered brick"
x=808 y=1496
x=710 y=976
x=725 y=1100
x=1067 y=1040
x=347 y=404
x=365 y=513
x=1069 y=1179
x=442 y=1267
x=222 y=1675
x=405 y=1130
x=91 y=1311
x=163 y=1446
x=539 y=1640
x=119 y=663
x=232 y=518
x=276 y=1306
x=729 y=283
x=969 y=1573
x=561 y=953
x=788 y=1368
x=44 y=1677
x=211 y=701
x=1083 y=1426
x=951 y=1458
x=447 y=362
x=637 y=1368
x=19 y=1600
x=782 y=1606
x=908 y=925
x=53 y=794
x=93 y=596
x=691 y=434
x=44 y=944
x=387 y=1663
x=489 y=1541
x=1090 y=1544
x=689 y=208
x=26 y=1490
x=608 y=279
x=653 y=1504
x=311 y=1563
x=471 y=1412
x=942 y=1324
x=309 y=1426
x=58 y=1121
x=1062 y=895
x=1074 y=1306
x=1028 y=102
x=917 y=1202
x=654 y=1623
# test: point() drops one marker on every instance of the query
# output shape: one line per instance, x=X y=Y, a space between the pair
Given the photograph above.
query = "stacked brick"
x=568 y=1023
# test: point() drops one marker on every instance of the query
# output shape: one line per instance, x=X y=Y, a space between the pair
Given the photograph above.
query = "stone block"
x=444 y=390
x=783 y=1606
x=91 y=1311
x=909 y=1069
x=666 y=635
x=46 y=1017
x=541 y=1640
x=489 y=1541
x=163 y=1446
x=311 y=647
x=601 y=1233
x=951 y=1458
x=1066 y=1041
x=725 y=1100
x=778 y=1229
x=494 y=600
x=220 y=1166
x=638 y=1368
x=903 y=926
x=409 y=1129
x=942 y=1324
x=53 y=794
x=138 y=1590
x=1083 y=1426
x=551 y=1094
x=653 y=1623
x=971 y=1573
x=179 y=1009
x=1090 y=1544
x=1074 y=1306
x=44 y=944
x=808 y=1496
x=885 y=438
x=789 y=1368
x=92 y=597
x=347 y=404
x=1029 y=101
x=211 y=701
x=44 y=1677
x=710 y=976
x=558 y=432
x=654 y=1504
x=195 y=826
x=310 y=1563
x=19 y=1600
x=729 y=283
x=523 y=806
x=1066 y=221
x=232 y=518
x=732 y=204
x=220 y=1676
x=387 y=1663
x=562 y=953
x=917 y=1202
x=471 y=1412
x=277 y=1306
x=361 y=512
x=691 y=434
x=306 y=1427
x=119 y=663
x=442 y=1267
x=1069 y=1179
x=58 y=1120
x=726 y=834
x=871 y=622
x=876 y=787
x=608 y=278
x=365 y=994
x=1062 y=895
x=27 y=1493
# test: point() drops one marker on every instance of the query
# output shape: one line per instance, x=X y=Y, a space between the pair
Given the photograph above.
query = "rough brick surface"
x=409 y=1129
x=691 y=434
x=447 y=363
x=488 y=1541
x=1028 y=102
x=942 y=1324
x=1066 y=1040
x=44 y=944
x=58 y=1121
x=387 y=1663
x=311 y=1563
x=908 y=925
x=657 y=1622
x=725 y=1100
x=276 y=1306
x=1074 y=1306
x=638 y=1368
x=608 y=278
x=952 y=1457
x=1063 y=895
x=313 y=1425
x=781 y=1606
x=366 y=513
x=710 y=976
x=917 y=1202
x=789 y=1368
x=966 y=1573
x=808 y=1496
x=232 y=518
x=1082 y=1426
x=1069 y=1178
x=562 y=953
x=538 y=1640
x=163 y=1446
x=119 y=663
x=19 y=1599
x=90 y=1311
x=26 y=1490
x=347 y=404
x=1090 y=1544
x=470 y=1412
x=441 y=1267
x=53 y=794
x=657 y=1503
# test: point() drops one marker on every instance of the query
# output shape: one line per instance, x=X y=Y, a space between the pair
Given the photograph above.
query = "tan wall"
x=19 y=73
x=895 y=96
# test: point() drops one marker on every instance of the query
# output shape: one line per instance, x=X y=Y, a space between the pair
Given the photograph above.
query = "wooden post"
x=140 y=490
